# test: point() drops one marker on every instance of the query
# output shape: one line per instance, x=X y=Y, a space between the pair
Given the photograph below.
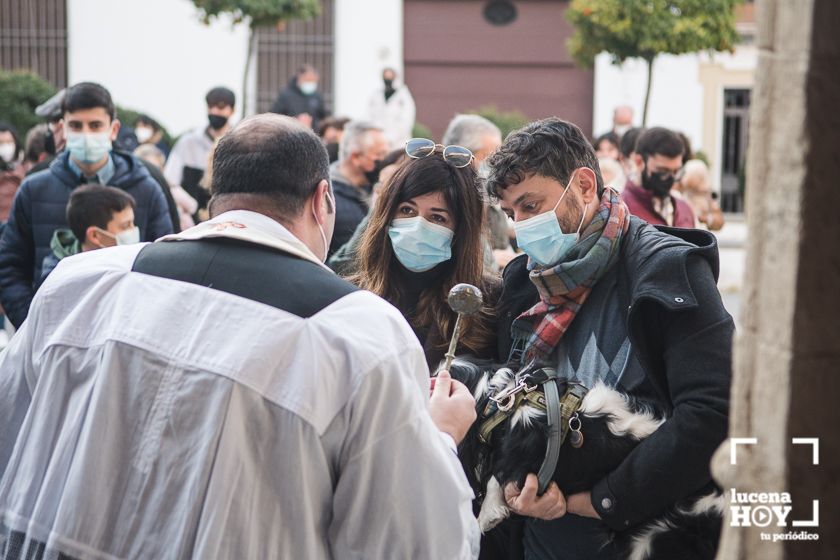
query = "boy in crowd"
x=90 y=128
x=99 y=217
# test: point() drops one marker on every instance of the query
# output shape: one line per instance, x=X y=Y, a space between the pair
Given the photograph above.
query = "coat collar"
x=252 y=227
x=654 y=258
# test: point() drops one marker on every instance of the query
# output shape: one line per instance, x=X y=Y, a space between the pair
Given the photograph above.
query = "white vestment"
x=143 y=417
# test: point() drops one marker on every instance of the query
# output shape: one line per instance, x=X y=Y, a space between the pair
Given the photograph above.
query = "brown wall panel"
x=33 y=36
x=456 y=61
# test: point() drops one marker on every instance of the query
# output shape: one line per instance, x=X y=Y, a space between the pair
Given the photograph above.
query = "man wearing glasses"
x=659 y=156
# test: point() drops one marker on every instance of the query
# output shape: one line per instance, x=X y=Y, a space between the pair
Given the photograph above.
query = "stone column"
x=786 y=371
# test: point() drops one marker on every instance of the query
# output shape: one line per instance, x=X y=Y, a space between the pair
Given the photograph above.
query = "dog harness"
x=560 y=412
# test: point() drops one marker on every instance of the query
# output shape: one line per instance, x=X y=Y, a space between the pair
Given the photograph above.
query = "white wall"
x=368 y=37
x=155 y=56
x=676 y=99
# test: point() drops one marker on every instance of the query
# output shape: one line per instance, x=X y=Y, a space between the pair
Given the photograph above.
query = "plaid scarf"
x=565 y=287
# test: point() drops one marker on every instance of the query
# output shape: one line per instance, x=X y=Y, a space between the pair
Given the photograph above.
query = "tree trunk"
x=252 y=39
x=647 y=91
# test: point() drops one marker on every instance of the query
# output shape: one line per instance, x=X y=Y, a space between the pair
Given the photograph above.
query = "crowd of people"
x=254 y=381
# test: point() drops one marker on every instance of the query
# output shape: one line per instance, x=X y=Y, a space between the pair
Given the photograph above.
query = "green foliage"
x=647 y=28
x=260 y=12
x=507 y=121
x=420 y=130
x=21 y=92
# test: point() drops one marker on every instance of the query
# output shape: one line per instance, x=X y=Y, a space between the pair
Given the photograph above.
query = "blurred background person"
x=331 y=130
x=11 y=168
x=148 y=131
x=607 y=146
x=482 y=138
x=35 y=146
x=90 y=126
x=391 y=107
x=612 y=174
x=424 y=237
x=188 y=160
x=50 y=111
x=344 y=260
x=622 y=120
x=363 y=147
x=99 y=216
x=659 y=159
x=301 y=98
x=696 y=188
x=187 y=205
x=627 y=153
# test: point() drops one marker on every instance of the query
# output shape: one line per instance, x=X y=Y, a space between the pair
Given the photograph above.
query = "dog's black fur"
x=518 y=448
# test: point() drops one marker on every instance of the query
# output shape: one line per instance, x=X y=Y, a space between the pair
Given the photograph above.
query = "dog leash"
x=560 y=414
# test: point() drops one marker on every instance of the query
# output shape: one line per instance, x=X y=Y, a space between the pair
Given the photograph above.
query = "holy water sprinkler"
x=464 y=299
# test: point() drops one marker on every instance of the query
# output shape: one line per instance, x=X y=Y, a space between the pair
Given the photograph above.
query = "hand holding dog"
x=551 y=505
x=451 y=406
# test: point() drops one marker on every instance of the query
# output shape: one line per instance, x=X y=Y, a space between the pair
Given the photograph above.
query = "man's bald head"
x=270 y=156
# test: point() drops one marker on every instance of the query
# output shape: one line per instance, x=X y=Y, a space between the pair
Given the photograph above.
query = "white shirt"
x=142 y=417
x=395 y=116
x=191 y=150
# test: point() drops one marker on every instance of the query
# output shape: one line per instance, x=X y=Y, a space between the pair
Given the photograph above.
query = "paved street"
x=732 y=243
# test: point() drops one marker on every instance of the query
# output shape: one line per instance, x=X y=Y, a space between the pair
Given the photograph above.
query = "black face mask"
x=217 y=121
x=372 y=176
x=389 y=84
x=657 y=183
x=332 y=151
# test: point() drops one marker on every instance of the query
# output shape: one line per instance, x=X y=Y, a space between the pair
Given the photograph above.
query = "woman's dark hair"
x=148 y=121
x=88 y=95
x=95 y=205
x=551 y=148
x=378 y=266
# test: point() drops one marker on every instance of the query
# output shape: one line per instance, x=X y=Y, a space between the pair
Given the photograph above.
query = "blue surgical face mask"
x=88 y=147
x=541 y=237
x=420 y=245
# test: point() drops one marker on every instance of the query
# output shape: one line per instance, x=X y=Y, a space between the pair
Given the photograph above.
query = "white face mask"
x=143 y=134
x=620 y=129
x=88 y=147
x=7 y=151
x=308 y=87
x=542 y=238
x=126 y=237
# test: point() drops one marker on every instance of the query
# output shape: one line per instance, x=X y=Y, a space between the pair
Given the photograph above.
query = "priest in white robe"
x=222 y=394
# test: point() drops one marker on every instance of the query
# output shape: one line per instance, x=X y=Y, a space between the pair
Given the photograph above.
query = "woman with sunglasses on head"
x=424 y=236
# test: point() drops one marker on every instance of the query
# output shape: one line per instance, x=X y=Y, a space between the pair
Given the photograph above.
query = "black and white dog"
x=612 y=424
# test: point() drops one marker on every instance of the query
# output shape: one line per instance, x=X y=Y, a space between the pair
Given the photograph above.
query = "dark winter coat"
x=39 y=209
x=351 y=207
x=682 y=337
x=293 y=102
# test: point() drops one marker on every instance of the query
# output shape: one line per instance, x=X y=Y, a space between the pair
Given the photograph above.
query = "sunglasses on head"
x=456 y=156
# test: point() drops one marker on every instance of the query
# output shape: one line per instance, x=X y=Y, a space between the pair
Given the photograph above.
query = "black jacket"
x=682 y=336
x=351 y=207
x=40 y=208
x=293 y=102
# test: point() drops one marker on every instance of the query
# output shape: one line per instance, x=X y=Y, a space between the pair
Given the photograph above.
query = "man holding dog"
x=607 y=297
x=222 y=394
